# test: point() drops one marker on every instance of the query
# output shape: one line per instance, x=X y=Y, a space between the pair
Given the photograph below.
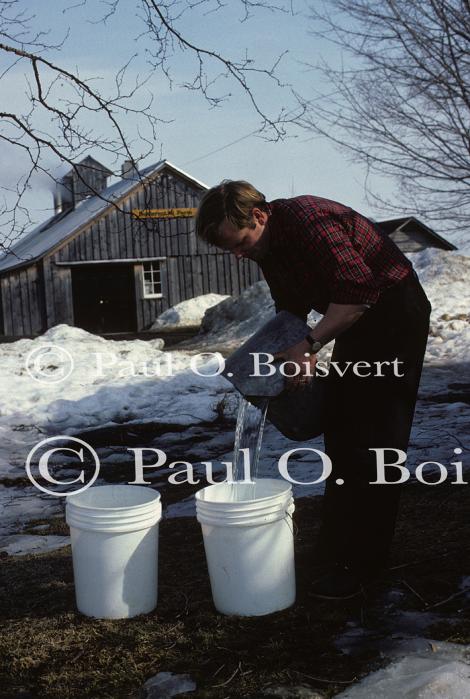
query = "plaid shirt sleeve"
x=341 y=265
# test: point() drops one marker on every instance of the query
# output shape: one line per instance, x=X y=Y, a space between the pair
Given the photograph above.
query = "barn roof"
x=395 y=224
x=57 y=228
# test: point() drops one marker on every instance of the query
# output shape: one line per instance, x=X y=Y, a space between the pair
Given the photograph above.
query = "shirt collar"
x=271 y=230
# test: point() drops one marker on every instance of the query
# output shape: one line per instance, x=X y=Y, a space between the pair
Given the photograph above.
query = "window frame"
x=152 y=263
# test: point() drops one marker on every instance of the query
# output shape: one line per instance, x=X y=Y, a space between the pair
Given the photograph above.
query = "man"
x=319 y=254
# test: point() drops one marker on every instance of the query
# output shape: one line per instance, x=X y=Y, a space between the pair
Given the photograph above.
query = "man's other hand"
x=302 y=365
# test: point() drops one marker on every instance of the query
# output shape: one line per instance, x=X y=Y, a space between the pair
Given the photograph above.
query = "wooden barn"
x=112 y=258
x=412 y=235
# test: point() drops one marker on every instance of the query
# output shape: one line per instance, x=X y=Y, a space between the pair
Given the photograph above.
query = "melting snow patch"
x=21 y=544
x=20 y=504
x=441 y=673
x=166 y=684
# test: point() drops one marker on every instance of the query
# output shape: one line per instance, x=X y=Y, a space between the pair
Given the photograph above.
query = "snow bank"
x=188 y=312
x=443 y=673
x=445 y=277
x=68 y=380
x=238 y=316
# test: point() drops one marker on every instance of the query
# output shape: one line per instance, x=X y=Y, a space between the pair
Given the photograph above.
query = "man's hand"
x=300 y=355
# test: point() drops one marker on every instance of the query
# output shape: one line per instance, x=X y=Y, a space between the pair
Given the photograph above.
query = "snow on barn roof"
x=58 y=227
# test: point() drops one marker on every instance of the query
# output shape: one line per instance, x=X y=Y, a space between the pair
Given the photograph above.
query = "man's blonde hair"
x=233 y=200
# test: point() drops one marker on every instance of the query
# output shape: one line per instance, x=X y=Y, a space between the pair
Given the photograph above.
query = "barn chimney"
x=129 y=170
x=86 y=179
x=63 y=195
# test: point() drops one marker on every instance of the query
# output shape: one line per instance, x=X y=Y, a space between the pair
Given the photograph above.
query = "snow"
x=21 y=504
x=68 y=381
x=22 y=544
x=84 y=382
x=442 y=672
x=187 y=313
x=238 y=317
x=166 y=684
x=445 y=277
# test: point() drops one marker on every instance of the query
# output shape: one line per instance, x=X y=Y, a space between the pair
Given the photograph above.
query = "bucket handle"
x=289 y=520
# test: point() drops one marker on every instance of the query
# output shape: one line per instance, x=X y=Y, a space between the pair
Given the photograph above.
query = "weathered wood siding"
x=58 y=294
x=22 y=302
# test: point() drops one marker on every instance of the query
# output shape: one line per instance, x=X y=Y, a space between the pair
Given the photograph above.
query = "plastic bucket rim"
x=73 y=514
x=198 y=494
x=112 y=514
x=70 y=502
x=243 y=504
x=107 y=511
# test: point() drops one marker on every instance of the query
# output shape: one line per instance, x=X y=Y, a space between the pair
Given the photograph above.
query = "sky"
x=211 y=144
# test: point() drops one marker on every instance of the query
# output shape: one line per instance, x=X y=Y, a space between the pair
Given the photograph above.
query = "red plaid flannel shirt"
x=320 y=251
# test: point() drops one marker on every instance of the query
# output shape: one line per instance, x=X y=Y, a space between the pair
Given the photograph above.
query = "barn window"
x=152 y=279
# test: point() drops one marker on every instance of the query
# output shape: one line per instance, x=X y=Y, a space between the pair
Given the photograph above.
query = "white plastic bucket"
x=114 y=536
x=249 y=546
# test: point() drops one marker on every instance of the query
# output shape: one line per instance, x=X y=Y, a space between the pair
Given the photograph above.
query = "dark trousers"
x=358 y=518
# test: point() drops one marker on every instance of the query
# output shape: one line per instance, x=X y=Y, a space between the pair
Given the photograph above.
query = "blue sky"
x=297 y=165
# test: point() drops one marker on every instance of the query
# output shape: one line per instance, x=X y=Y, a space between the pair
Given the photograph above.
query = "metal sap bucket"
x=298 y=414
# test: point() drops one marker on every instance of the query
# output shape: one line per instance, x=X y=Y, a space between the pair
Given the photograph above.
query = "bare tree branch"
x=403 y=103
x=67 y=115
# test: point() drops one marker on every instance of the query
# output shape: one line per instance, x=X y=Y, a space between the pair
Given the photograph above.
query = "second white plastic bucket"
x=114 y=537
x=249 y=546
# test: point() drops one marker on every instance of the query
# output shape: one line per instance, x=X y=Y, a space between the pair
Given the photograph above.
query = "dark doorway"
x=104 y=298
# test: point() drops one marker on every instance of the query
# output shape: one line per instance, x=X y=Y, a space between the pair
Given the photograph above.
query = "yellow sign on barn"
x=164 y=213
